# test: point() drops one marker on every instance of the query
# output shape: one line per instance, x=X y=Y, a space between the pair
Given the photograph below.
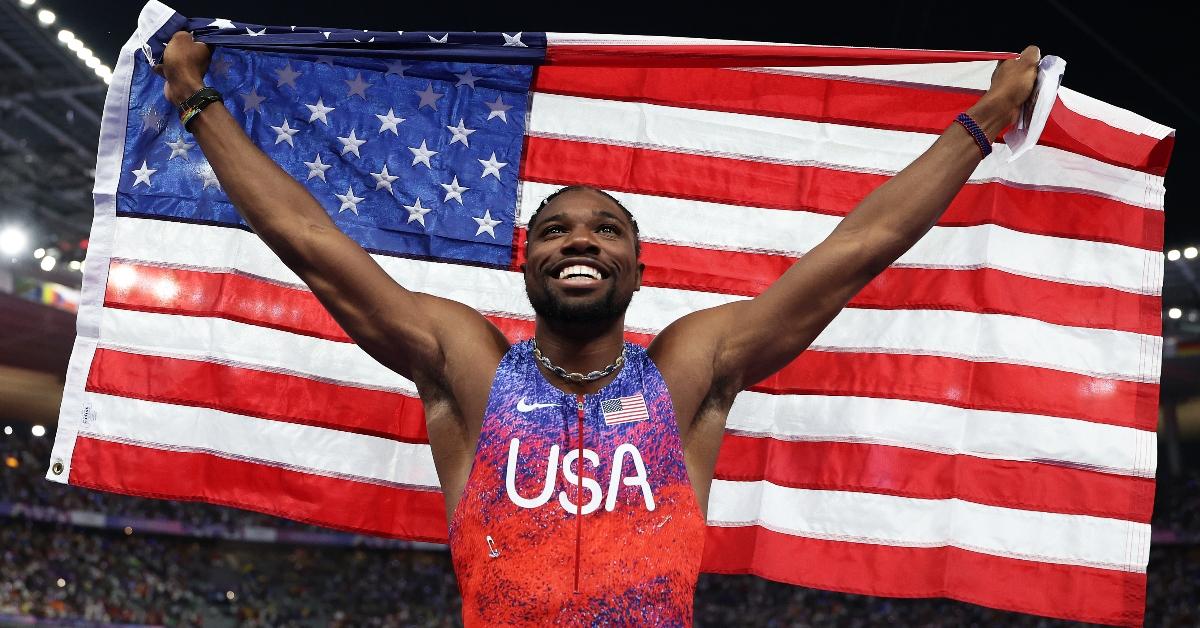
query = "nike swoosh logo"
x=530 y=407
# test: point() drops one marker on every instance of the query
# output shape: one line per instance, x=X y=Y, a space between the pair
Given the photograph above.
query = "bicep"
x=764 y=334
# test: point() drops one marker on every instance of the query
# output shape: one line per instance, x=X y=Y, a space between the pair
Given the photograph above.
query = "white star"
x=351 y=143
x=466 y=78
x=383 y=179
x=317 y=168
x=287 y=76
x=439 y=40
x=180 y=148
x=498 y=109
x=318 y=111
x=491 y=166
x=514 y=40
x=454 y=191
x=222 y=23
x=208 y=176
x=142 y=175
x=285 y=133
x=252 y=100
x=358 y=87
x=429 y=97
x=486 y=224
x=422 y=154
x=397 y=67
x=389 y=122
x=349 y=200
x=152 y=119
x=416 y=212
x=460 y=133
x=256 y=33
x=326 y=34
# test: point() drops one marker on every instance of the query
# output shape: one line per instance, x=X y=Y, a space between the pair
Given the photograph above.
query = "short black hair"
x=637 y=241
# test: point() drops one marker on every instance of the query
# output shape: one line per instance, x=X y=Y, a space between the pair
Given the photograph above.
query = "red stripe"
x=839 y=101
x=983 y=291
x=951 y=381
x=1080 y=134
x=726 y=55
x=889 y=470
x=1065 y=591
x=334 y=502
x=1066 y=214
x=239 y=390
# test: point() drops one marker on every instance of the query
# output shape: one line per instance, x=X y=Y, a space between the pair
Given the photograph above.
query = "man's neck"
x=580 y=348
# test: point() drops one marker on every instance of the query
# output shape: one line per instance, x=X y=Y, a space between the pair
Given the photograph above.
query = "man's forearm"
x=268 y=198
x=899 y=212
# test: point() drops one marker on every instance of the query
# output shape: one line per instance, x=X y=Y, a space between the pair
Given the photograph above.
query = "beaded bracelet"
x=196 y=103
x=972 y=127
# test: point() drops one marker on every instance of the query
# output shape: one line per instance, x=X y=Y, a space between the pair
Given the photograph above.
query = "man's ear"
x=641 y=269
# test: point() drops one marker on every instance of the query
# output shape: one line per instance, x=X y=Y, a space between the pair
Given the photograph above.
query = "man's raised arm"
x=401 y=329
x=749 y=340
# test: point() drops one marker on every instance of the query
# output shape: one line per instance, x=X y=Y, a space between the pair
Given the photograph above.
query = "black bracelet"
x=196 y=103
x=972 y=127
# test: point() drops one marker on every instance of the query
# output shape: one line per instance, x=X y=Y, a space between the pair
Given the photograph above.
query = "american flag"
x=977 y=424
x=624 y=409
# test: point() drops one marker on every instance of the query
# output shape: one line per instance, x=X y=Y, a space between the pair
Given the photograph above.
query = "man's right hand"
x=185 y=61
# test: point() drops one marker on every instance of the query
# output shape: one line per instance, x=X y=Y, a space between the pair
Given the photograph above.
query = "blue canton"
x=417 y=158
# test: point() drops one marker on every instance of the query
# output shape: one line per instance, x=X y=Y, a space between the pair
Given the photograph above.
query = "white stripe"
x=793 y=233
x=302 y=447
x=988 y=337
x=907 y=522
x=230 y=342
x=1112 y=115
x=946 y=430
x=972 y=75
x=801 y=142
x=596 y=39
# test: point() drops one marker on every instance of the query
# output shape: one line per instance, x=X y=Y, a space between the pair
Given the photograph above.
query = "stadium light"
x=1173 y=254
x=61 y=583
x=84 y=53
x=128 y=531
x=74 y=45
x=75 y=264
x=1174 y=313
x=66 y=36
x=92 y=62
x=48 y=263
x=8 y=430
x=1190 y=252
x=39 y=253
x=46 y=17
x=12 y=241
x=38 y=431
x=27 y=3
x=230 y=595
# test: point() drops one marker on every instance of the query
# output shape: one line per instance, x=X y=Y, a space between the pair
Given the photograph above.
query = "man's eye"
x=609 y=229
x=553 y=229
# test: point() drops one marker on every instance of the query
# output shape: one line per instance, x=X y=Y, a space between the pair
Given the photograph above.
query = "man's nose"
x=580 y=240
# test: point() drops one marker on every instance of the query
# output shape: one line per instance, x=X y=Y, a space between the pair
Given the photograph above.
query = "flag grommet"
x=57 y=467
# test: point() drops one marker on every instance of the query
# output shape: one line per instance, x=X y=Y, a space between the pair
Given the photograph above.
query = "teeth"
x=579 y=270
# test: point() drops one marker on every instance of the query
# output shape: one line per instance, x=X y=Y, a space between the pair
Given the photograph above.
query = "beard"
x=606 y=307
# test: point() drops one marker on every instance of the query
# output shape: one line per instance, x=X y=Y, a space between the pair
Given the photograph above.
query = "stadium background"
x=72 y=556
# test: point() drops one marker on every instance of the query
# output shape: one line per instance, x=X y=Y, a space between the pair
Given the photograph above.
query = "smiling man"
x=575 y=466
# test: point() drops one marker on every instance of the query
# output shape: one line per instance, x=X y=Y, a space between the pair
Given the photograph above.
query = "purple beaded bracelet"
x=972 y=127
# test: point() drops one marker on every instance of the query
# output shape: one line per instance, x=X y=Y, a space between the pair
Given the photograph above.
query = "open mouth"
x=581 y=275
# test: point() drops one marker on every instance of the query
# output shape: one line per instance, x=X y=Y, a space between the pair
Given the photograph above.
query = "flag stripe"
x=238 y=390
x=841 y=100
x=983 y=290
x=925 y=378
x=946 y=429
x=799 y=142
x=321 y=500
x=310 y=449
x=989 y=337
x=741 y=185
x=886 y=469
x=902 y=521
x=1066 y=591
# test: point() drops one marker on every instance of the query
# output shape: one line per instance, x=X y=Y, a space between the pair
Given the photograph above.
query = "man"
x=576 y=467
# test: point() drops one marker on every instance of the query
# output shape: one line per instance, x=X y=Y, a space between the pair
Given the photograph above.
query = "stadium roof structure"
x=52 y=90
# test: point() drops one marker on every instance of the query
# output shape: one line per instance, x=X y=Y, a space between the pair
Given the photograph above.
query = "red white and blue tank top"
x=521 y=553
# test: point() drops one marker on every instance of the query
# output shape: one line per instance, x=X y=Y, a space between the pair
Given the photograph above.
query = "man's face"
x=581 y=262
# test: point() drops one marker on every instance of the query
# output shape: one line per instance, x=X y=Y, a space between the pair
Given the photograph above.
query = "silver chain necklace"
x=577 y=377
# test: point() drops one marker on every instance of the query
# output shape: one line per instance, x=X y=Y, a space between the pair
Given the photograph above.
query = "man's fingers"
x=1032 y=55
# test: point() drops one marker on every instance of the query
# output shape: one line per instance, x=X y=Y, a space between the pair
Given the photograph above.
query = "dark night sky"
x=1130 y=57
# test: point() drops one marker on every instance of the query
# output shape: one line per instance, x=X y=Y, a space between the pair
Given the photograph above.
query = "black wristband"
x=196 y=103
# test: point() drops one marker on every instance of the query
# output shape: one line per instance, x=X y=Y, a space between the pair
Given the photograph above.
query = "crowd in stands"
x=58 y=571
